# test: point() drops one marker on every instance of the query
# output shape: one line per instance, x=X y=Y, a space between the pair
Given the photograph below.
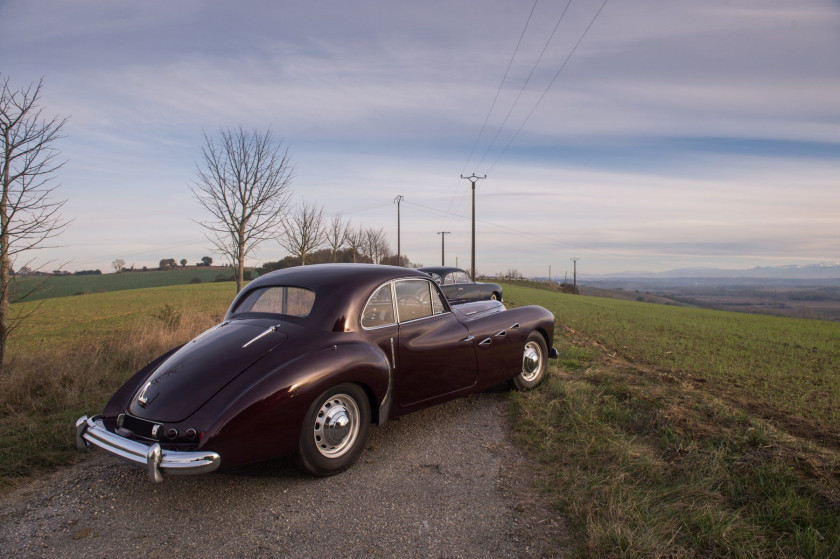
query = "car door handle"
x=485 y=342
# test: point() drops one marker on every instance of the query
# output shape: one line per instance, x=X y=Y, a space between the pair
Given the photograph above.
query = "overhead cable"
x=548 y=87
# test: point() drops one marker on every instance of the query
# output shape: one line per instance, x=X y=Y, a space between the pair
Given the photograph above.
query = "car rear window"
x=289 y=301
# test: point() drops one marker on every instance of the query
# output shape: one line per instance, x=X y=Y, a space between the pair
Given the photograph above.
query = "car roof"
x=340 y=289
x=441 y=270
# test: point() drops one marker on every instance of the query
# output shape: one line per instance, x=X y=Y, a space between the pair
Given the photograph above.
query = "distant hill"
x=824 y=270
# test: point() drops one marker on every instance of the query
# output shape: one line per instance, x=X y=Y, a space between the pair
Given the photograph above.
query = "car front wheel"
x=534 y=363
x=334 y=430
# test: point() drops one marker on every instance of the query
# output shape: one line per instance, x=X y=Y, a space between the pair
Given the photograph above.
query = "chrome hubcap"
x=531 y=361
x=336 y=426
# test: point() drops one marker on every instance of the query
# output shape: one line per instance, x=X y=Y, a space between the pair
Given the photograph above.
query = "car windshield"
x=283 y=300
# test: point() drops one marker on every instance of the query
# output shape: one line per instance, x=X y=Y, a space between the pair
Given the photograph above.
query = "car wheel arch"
x=374 y=403
x=544 y=334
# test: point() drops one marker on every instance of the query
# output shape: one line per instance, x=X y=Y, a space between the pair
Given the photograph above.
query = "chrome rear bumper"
x=92 y=431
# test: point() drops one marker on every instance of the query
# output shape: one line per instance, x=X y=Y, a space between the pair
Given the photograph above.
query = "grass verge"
x=646 y=461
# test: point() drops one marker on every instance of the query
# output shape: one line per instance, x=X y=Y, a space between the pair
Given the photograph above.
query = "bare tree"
x=355 y=240
x=28 y=214
x=337 y=231
x=375 y=244
x=118 y=265
x=244 y=181
x=303 y=231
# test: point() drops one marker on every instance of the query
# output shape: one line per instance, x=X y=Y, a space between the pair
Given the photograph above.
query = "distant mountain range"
x=823 y=270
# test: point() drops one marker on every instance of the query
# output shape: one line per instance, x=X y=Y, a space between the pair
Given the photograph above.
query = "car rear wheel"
x=334 y=430
x=494 y=297
x=534 y=363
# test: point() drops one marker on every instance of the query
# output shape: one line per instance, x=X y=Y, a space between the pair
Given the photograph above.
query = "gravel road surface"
x=442 y=483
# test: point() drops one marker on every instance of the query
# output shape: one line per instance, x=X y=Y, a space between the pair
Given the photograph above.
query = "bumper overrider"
x=92 y=431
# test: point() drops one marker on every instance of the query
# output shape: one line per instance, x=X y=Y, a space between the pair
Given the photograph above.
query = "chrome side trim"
x=213 y=329
x=393 y=355
x=501 y=334
x=269 y=330
x=92 y=431
x=485 y=342
x=385 y=404
x=468 y=338
x=514 y=326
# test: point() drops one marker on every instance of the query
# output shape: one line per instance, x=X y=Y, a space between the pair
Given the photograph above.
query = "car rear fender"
x=264 y=412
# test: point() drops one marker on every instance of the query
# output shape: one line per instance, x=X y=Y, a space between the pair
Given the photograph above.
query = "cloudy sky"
x=679 y=133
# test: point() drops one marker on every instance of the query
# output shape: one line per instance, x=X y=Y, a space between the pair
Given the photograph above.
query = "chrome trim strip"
x=514 y=326
x=424 y=318
x=485 y=342
x=270 y=330
x=468 y=338
x=213 y=329
x=501 y=334
x=92 y=431
x=393 y=357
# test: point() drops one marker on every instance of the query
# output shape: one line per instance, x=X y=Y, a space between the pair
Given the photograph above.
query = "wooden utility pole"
x=443 y=235
x=574 y=284
x=397 y=201
x=472 y=178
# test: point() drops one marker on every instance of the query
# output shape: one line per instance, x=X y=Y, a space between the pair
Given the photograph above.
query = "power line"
x=492 y=106
x=524 y=85
x=499 y=90
x=571 y=53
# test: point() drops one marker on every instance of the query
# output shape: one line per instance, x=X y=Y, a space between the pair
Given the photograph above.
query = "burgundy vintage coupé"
x=305 y=360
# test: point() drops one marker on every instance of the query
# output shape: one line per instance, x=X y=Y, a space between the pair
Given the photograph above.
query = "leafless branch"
x=303 y=231
x=337 y=232
x=29 y=160
x=244 y=183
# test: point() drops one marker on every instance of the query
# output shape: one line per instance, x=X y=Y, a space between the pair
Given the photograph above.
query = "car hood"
x=196 y=372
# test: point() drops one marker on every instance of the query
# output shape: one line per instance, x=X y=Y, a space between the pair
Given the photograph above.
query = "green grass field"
x=669 y=432
x=62 y=322
x=662 y=431
x=63 y=286
x=792 y=365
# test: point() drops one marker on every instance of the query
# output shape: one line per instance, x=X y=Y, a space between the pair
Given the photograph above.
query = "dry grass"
x=46 y=387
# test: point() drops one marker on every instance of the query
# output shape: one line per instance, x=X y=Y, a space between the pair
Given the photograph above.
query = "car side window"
x=461 y=277
x=438 y=306
x=413 y=299
x=379 y=310
x=449 y=279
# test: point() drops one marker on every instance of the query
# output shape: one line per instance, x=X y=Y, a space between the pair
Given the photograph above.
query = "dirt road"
x=444 y=482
